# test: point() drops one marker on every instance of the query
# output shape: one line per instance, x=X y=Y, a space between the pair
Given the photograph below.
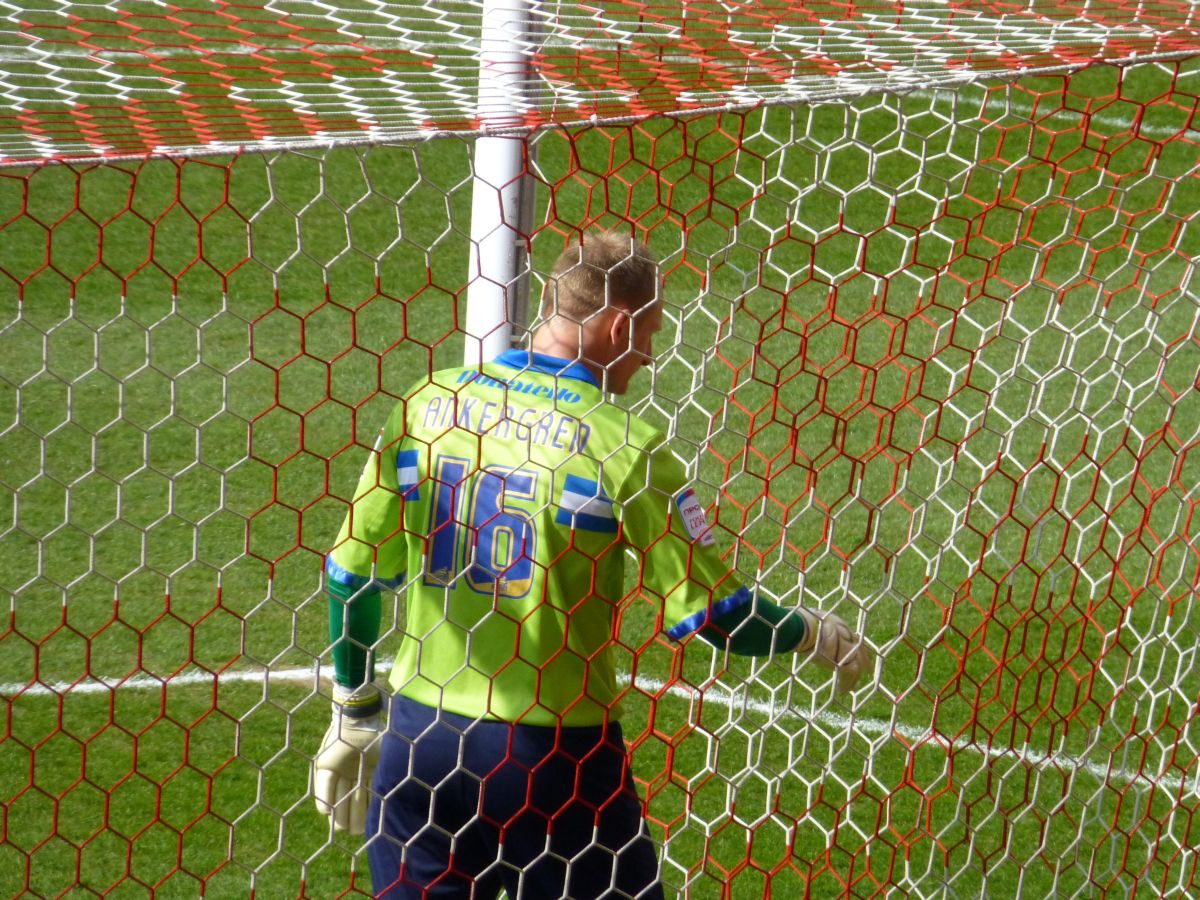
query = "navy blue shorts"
x=463 y=808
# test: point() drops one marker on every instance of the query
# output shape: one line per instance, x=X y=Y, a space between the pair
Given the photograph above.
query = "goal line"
x=717 y=694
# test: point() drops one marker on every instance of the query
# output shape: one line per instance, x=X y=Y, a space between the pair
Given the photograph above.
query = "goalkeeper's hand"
x=835 y=645
x=344 y=765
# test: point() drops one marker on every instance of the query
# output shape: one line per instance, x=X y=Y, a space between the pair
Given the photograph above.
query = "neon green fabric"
x=506 y=499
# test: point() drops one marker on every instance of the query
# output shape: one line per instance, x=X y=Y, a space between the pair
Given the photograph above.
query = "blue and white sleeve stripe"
x=584 y=505
x=343 y=576
x=408 y=475
x=698 y=620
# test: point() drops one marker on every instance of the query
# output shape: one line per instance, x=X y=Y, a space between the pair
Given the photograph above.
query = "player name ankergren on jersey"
x=549 y=428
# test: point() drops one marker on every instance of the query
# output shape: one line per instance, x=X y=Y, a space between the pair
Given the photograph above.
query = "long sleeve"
x=370 y=554
x=664 y=523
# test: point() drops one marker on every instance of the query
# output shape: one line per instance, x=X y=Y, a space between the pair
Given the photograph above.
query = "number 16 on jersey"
x=477 y=531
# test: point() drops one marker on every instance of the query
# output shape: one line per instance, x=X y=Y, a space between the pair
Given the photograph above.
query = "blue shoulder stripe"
x=408 y=475
x=583 y=504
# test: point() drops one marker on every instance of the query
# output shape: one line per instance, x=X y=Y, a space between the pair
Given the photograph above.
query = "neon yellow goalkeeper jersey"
x=505 y=498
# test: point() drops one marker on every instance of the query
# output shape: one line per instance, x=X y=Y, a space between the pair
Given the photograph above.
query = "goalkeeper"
x=505 y=497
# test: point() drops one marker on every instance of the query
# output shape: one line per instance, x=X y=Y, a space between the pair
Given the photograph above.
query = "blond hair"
x=602 y=268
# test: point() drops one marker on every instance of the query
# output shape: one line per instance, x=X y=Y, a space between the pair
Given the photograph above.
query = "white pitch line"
x=917 y=735
x=714 y=694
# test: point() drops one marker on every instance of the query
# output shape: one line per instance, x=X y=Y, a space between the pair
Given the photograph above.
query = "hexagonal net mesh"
x=931 y=361
x=128 y=77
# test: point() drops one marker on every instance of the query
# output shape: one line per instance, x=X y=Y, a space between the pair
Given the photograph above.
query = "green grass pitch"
x=1022 y=551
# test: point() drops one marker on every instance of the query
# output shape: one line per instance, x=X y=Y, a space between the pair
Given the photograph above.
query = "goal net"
x=931 y=355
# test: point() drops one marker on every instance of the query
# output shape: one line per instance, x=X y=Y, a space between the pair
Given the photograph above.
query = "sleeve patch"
x=694 y=519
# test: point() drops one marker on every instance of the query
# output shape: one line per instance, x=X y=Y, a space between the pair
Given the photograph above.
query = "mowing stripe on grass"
x=714 y=694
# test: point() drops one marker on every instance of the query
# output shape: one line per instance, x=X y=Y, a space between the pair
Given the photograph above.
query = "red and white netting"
x=932 y=354
x=128 y=78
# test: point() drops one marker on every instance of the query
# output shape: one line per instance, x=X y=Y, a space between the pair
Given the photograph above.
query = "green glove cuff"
x=353 y=631
x=759 y=628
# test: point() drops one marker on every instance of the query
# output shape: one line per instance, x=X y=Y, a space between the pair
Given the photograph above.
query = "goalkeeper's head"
x=602 y=306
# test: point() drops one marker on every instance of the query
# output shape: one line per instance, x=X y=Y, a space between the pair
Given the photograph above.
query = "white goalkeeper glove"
x=344 y=765
x=836 y=646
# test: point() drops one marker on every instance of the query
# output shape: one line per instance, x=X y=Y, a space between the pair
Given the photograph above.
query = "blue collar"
x=550 y=365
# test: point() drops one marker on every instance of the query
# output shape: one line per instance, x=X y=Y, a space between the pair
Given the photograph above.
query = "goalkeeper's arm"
x=354 y=617
x=349 y=751
x=370 y=549
x=761 y=628
x=663 y=521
